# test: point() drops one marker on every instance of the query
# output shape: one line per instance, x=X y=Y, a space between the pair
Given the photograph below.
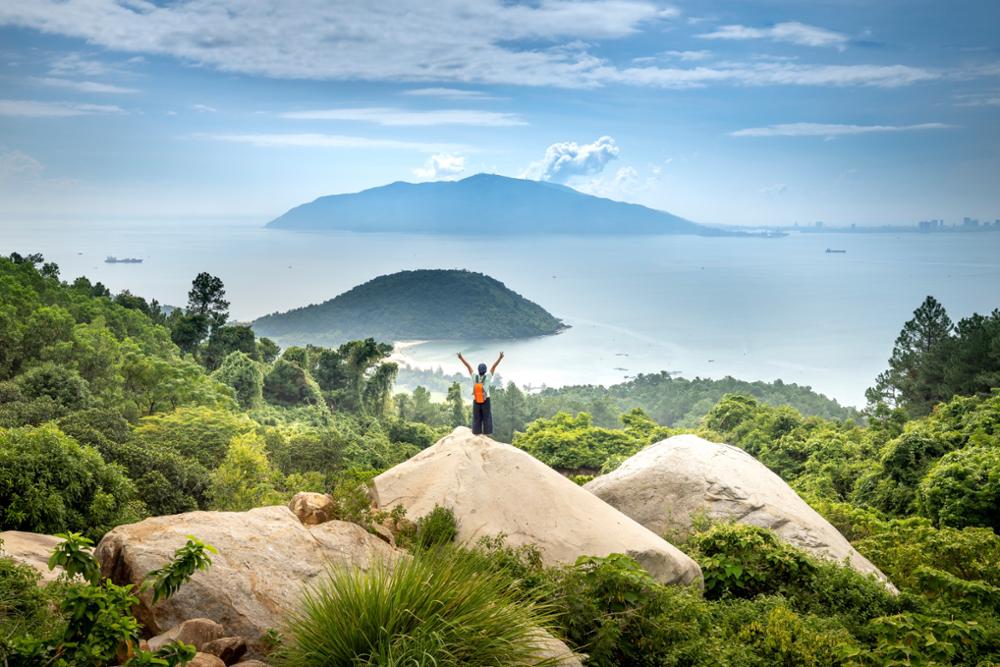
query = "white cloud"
x=450 y=93
x=774 y=190
x=774 y=74
x=83 y=86
x=567 y=159
x=689 y=56
x=830 y=129
x=203 y=108
x=36 y=109
x=441 y=164
x=791 y=32
x=77 y=64
x=400 y=117
x=15 y=164
x=985 y=99
x=332 y=141
x=544 y=43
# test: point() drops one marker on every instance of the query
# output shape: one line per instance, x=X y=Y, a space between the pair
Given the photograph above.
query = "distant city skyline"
x=759 y=112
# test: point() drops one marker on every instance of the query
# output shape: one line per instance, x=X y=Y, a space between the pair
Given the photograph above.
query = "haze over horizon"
x=759 y=112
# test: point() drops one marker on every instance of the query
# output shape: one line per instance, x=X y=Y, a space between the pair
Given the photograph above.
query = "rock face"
x=666 y=484
x=194 y=631
x=496 y=488
x=312 y=508
x=31 y=549
x=265 y=557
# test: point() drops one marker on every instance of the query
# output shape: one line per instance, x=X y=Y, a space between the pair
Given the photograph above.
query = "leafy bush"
x=435 y=608
x=99 y=628
x=198 y=433
x=245 y=479
x=436 y=528
x=744 y=561
x=571 y=443
x=245 y=377
x=50 y=483
x=963 y=489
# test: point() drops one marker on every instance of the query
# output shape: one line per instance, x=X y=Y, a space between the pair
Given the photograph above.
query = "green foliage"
x=573 y=443
x=98 y=627
x=436 y=528
x=201 y=434
x=187 y=560
x=963 y=489
x=435 y=608
x=934 y=360
x=744 y=561
x=50 y=483
x=245 y=377
x=287 y=383
x=245 y=479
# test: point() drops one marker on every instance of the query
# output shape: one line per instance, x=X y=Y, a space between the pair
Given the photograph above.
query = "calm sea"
x=750 y=308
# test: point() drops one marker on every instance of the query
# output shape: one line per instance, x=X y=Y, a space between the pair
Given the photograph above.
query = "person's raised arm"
x=467 y=366
x=496 y=363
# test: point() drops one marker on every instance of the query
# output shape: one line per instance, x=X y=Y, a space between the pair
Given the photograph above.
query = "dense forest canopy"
x=430 y=304
x=112 y=410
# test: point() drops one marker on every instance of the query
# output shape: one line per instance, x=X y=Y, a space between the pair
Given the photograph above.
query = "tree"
x=963 y=489
x=246 y=478
x=459 y=416
x=915 y=379
x=187 y=331
x=288 y=384
x=227 y=339
x=207 y=298
x=267 y=350
x=245 y=376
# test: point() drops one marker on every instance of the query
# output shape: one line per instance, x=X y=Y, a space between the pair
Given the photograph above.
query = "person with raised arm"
x=482 y=380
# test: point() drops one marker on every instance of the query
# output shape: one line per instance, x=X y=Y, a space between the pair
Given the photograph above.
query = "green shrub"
x=436 y=528
x=198 y=433
x=244 y=376
x=50 y=483
x=245 y=479
x=744 y=561
x=435 y=608
x=963 y=489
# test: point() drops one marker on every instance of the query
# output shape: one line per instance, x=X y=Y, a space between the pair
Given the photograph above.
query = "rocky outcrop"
x=227 y=649
x=195 y=631
x=495 y=488
x=31 y=549
x=668 y=483
x=312 y=508
x=265 y=557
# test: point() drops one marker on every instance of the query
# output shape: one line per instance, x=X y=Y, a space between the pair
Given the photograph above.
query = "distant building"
x=970 y=223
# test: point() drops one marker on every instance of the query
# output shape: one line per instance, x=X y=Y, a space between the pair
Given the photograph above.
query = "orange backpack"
x=478 y=390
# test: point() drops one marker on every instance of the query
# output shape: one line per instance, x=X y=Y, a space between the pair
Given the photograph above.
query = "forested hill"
x=427 y=304
x=483 y=204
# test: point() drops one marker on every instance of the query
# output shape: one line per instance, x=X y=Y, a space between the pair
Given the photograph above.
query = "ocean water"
x=756 y=309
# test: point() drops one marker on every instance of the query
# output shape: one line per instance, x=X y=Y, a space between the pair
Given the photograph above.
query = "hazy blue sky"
x=744 y=112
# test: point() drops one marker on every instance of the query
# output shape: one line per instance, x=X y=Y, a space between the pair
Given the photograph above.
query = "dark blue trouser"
x=482 y=418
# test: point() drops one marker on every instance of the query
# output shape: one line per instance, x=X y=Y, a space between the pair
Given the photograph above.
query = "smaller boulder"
x=312 y=508
x=251 y=663
x=551 y=651
x=205 y=660
x=197 y=631
x=228 y=649
x=31 y=549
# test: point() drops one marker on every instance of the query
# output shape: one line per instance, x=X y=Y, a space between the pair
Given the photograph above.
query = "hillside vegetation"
x=111 y=411
x=429 y=304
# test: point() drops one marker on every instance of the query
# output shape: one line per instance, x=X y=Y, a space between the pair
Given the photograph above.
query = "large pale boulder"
x=496 y=488
x=667 y=484
x=265 y=557
x=31 y=549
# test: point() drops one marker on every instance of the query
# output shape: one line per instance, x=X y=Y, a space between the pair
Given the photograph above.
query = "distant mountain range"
x=483 y=204
x=428 y=304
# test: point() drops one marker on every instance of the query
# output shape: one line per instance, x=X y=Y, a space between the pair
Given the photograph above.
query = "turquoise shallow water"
x=751 y=308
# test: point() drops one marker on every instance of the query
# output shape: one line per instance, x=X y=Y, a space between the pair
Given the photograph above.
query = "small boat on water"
x=111 y=259
x=831 y=251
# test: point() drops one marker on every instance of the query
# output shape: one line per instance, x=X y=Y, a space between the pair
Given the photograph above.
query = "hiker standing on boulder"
x=482 y=415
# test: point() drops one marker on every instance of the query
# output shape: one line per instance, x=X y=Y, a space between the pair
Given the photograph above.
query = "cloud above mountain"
x=568 y=159
x=441 y=165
